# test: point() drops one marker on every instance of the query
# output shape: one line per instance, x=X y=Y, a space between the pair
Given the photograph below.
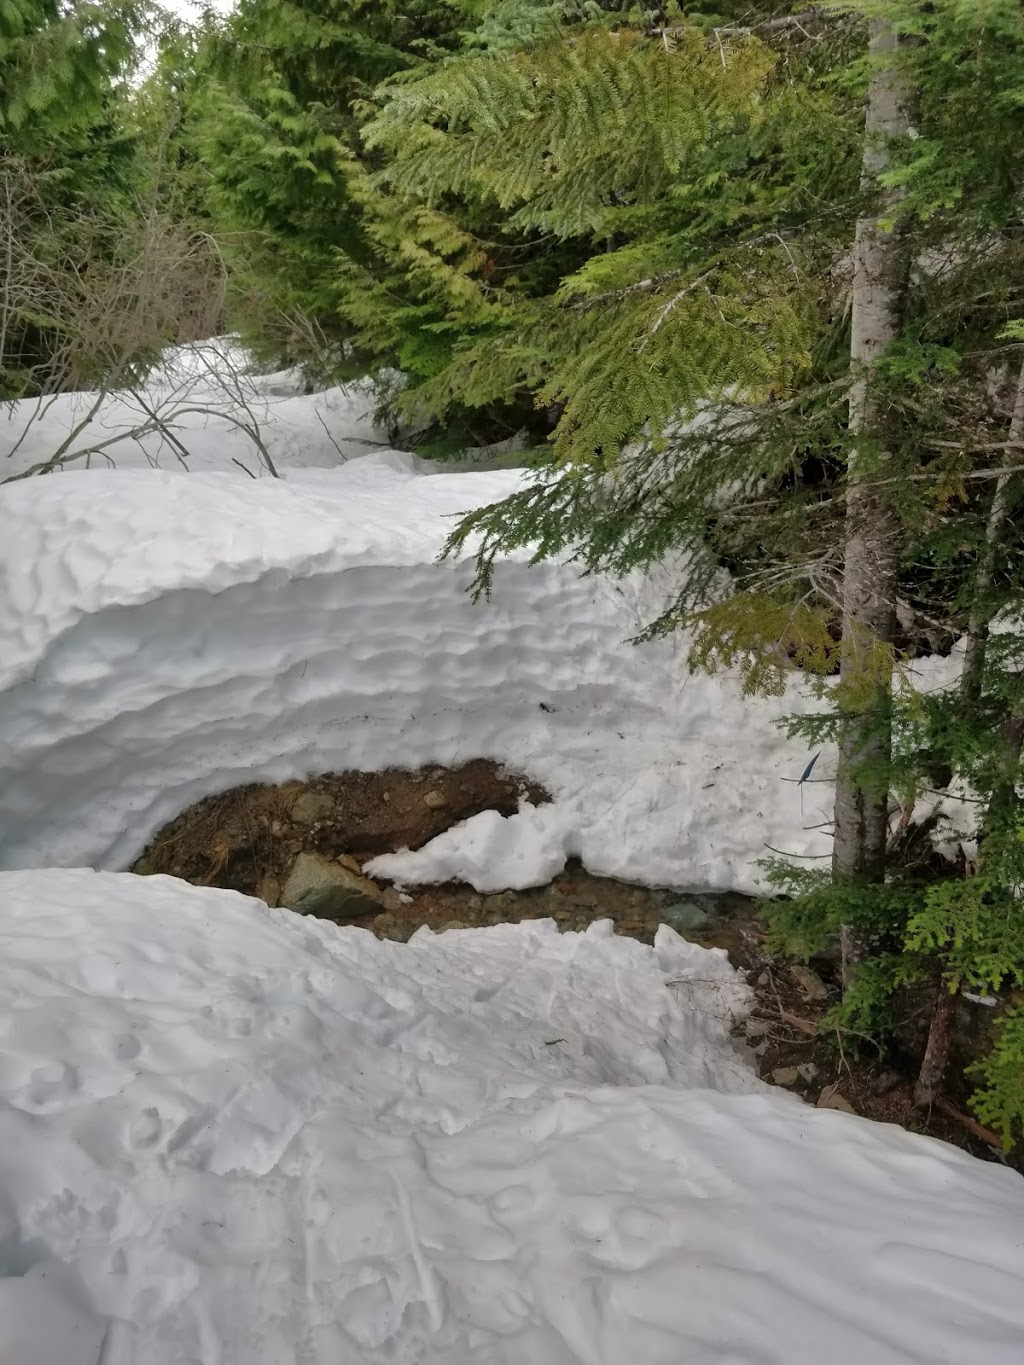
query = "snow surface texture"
x=234 y=1136
x=165 y=635
x=200 y=409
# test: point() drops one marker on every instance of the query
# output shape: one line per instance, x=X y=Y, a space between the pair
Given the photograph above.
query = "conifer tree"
x=276 y=126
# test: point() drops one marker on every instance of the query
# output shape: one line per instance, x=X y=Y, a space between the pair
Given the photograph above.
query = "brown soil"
x=248 y=839
x=242 y=839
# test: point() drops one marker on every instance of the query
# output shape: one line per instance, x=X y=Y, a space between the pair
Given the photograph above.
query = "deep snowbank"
x=231 y=1136
x=164 y=636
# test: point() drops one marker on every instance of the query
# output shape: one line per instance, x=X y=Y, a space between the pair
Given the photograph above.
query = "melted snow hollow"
x=233 y=1136
x=165 y=636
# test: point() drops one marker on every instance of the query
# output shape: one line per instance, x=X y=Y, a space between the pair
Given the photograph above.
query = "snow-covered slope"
x=231 y=1136
x=202 y=410
x=164 y=636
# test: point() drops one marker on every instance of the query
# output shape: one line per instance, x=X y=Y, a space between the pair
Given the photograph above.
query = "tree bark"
x=929 y=1080
x=880 y=280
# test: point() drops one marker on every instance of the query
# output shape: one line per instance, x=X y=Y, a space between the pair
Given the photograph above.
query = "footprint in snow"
x=50 y=1084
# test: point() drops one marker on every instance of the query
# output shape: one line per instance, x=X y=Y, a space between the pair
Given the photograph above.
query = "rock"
x=756 y=1028
x=453 y=924
x=786 y=1075
x=321 y=887
x=765 y=978
x=309 y=807
x=388 y=926
x=390 y=899
x=807 y=1071
x=346 y=860
x=688 y=914
x=830 y=1098
x=269 y=888
x=435 y=800
x=810 y=983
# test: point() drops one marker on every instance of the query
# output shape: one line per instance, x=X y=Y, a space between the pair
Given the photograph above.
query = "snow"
x=209 y=408
x=233 y=1136
x=166 y=635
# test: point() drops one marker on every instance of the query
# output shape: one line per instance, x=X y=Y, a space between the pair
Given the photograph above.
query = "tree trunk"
x=880 y=278
x=929 y=1080
x=980 y=618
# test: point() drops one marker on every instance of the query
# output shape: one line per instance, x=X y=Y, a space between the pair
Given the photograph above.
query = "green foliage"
x=273 y=122
x=647 y=151
x=1000 y=1100
x=975 y=927
x=58 y=64
x=765 y=638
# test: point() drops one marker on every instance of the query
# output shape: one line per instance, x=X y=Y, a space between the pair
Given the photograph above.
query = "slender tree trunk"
x=929 y=1080
x=880 y=278
x=980 y=618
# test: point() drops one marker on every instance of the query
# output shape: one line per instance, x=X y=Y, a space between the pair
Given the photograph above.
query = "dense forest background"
x=747 y=281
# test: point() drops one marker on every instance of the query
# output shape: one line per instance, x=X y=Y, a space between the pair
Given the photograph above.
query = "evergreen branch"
x=648 y=286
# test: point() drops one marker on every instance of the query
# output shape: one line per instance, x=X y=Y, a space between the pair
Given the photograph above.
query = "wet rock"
x=319 y=886
x=435 y=800
x=309 y=807
x=830 y=1098
x=810 y=983
x=786 y=1075
x=685 y=914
